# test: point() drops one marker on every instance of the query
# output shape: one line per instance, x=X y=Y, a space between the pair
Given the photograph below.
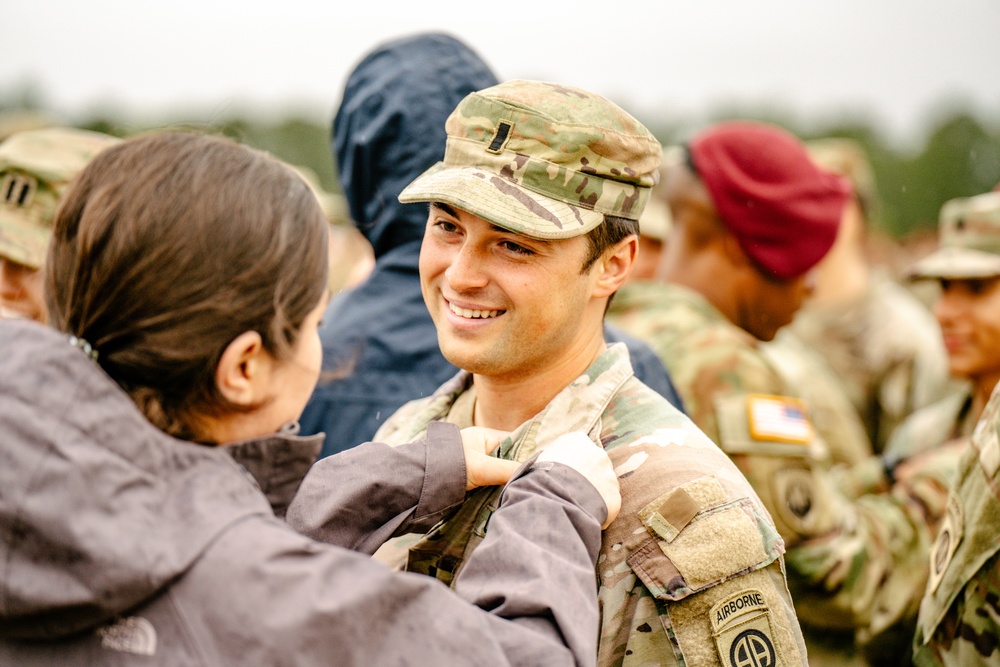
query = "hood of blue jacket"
x=389 y=129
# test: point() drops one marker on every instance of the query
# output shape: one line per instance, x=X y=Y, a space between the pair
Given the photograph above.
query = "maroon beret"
x=783 y=209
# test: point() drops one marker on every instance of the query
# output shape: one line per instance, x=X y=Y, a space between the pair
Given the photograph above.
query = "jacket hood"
x=389 y=128
x=99 y=510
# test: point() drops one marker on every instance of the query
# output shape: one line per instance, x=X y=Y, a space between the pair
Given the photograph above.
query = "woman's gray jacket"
x=121 y=545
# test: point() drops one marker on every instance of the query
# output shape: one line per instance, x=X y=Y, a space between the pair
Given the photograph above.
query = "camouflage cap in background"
x=969 y=241
x=35 y=168
x=541 y=159
x=656 y=220
x=14 y=121
x=848 y=158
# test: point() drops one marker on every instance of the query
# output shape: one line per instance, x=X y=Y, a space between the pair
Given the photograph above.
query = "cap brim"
x=23 y=242
x=957 y=263
x=501 y=202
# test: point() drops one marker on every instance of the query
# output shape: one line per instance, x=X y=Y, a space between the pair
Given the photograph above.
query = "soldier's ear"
x=733 y=253
x=614 y=266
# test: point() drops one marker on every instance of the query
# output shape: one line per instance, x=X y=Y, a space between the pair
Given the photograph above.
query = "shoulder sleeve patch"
x=743 y=630
x=778 y=419
x=948 y=537
x=763 y=424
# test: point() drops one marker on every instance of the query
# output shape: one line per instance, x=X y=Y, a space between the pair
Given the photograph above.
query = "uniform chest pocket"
x=696 y=542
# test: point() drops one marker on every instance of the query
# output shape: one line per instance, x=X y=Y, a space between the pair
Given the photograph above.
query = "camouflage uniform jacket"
x=948 y=419
x=922 y=435
x=958 y=621
x=852 y=563
x=690 y=573
x=886 y=347
x=831 y=411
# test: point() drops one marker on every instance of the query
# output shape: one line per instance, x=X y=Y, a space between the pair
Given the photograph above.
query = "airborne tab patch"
x=741 y=625
x=778 y=419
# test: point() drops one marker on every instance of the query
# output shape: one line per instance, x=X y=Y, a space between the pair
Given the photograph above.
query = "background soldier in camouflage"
x=831 y=411
x=752 y=214
x=879 y=339
x=958 y=621
x=35 y=167
x=538 y=181
x=956 y=626
x=967 y=266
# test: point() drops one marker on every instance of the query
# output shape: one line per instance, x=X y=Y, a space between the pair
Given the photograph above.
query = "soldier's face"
x=969 y=314
x=20 y=291
x=505 y=305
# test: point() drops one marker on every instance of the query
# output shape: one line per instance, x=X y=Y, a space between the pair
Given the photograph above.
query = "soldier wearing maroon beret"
x=752 y=215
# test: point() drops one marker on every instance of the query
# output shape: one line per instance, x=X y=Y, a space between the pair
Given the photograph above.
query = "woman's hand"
x=481 y=469
x=580 y=453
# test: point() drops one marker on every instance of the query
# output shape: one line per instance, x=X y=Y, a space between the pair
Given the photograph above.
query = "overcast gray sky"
x=897 y=60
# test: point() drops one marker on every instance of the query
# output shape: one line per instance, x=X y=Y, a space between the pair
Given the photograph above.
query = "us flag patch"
x=778 y=419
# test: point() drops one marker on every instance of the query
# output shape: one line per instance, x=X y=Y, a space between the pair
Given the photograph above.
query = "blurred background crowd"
x=910 y=82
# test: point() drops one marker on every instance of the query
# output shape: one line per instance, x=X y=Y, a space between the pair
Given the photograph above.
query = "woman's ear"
x=244 y=370
x=614 y=267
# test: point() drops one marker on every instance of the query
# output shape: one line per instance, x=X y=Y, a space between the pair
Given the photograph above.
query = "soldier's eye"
x=980 y=286
x=446 y=226
x=517 y=248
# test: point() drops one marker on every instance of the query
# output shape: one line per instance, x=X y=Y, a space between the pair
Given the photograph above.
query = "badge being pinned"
x=778 y=419
x=741 y=625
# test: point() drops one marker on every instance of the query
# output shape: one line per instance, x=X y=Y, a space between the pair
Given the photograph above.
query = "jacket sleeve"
x=532 y=566
x=361 y=497
x=530 y=592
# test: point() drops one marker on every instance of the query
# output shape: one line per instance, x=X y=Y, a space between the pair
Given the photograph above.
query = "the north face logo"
x=132 y=634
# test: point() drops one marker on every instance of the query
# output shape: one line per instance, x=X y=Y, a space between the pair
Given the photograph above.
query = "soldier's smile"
x=473 y=313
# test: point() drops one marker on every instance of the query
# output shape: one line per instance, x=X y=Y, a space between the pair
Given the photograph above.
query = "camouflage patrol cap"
x=541 y=159
x=969 y=240
x=847 y=157
x=35 y=168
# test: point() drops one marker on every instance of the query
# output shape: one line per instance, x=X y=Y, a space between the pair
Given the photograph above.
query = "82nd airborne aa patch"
x=744 y=636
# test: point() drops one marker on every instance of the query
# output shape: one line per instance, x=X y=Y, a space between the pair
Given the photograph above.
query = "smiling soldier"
x=531 y=230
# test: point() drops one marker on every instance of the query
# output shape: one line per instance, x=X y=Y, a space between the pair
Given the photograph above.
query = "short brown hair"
x=169 y=246
x=605 y=235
